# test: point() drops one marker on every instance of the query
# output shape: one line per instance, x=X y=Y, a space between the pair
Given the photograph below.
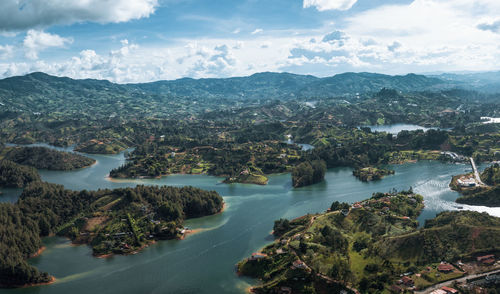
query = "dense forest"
x=13 y=175
x=367 y=174
x=95 y=218
x=308 y=173
x=20 y=239
x=46 y=158
x=491 y=175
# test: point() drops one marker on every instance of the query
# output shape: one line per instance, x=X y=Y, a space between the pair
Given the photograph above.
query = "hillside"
x=46 y=158
x=370 y=246
x=13 y=175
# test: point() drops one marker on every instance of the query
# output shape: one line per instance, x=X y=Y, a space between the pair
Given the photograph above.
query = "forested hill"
x=350 y=83
x=40 y=93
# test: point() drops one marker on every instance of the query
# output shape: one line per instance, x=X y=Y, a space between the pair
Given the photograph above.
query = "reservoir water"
x=396 y=128
x=205 y=262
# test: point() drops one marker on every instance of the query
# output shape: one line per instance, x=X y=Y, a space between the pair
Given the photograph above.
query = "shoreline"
x=196 y=231
x=186 y=234
x=52 y=281
x=38 y=252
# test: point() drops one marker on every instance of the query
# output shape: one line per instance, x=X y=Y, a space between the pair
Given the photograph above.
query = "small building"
x=445 y=268
x=407 y=281
x=357 y=205
x=299 y=264
x=449 y=290
x=258 y=255
x=467 y=182
x=438 y=291
x=486 y=259
x=345 y=212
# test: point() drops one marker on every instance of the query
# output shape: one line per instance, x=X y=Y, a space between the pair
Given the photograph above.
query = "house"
x=299 y=264
x=466 y=182
x=449 y=290
x=438 y=291
x=357 y=205
x=445 y=268
x=258 y=255
x=486 y=259
x=407 y=281
x=345 y=212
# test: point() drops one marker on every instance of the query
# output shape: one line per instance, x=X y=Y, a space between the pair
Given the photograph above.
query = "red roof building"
x=407 y=281
x=445 y=268
x=487 y=259
x=449 y=290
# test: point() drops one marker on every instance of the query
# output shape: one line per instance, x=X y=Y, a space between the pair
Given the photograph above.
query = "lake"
x=205 y=262
x=396 y=128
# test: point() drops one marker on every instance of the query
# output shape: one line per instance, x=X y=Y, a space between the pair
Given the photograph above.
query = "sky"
x=128 y=41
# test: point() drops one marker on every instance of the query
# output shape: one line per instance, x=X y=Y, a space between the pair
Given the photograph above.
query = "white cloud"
x=36 y=41
x=423 y=36
x=323 y=5
x=6 y=51
x=17 y=15
x=257 y=31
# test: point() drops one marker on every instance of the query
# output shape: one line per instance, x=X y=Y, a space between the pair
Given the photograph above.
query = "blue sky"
x=146 y=40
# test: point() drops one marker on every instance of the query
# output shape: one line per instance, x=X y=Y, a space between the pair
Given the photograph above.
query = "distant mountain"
x=488 y=82
x=258 y=86
x=42 y=93
x=351 y=83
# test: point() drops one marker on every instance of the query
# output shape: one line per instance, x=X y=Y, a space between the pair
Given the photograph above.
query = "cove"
x=204 y=262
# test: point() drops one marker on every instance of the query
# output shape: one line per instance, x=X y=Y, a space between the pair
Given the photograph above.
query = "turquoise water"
x=205 y=262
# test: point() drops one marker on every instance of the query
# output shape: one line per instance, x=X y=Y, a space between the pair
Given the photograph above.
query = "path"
x=462 y=279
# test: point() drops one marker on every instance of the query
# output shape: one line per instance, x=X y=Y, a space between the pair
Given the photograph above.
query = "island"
x=367 y=174
x=308 y=173
x=120 y=221
x=372 y=246
x=46 y=158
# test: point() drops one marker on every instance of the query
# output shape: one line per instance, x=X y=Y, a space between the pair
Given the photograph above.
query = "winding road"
x=462 y=279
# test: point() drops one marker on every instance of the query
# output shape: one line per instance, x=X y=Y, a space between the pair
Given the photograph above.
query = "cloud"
x=421 y=36
x=257 y=31
x=323 y=5
x=36 y=41
x=490 y=26
x=6 y=51
x=18 y=15
x=394 y=46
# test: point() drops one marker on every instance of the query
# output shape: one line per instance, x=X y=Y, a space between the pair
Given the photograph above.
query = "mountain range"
x=40 y=92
